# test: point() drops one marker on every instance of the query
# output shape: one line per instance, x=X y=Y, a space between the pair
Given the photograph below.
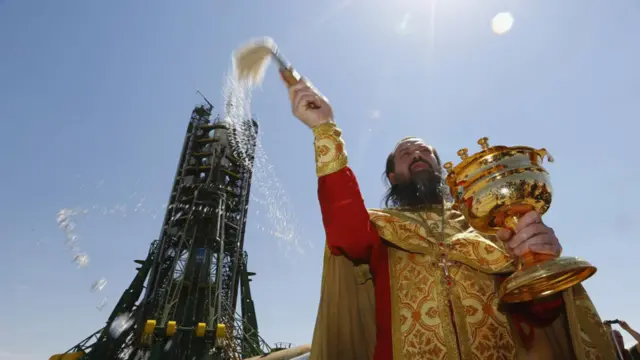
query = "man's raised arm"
x=346 y=220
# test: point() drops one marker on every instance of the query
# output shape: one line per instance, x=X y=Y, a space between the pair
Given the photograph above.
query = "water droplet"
x=103 y=304
x=120 y=324
x=82 y=260
x=98 y=285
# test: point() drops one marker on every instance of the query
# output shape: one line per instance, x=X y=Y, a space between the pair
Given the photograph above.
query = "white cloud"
x=402 y=27
x=374 y=114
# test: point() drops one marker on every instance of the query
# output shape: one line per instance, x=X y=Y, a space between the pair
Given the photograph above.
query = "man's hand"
x=624 y=325
x=531 y=235
x=308 y=105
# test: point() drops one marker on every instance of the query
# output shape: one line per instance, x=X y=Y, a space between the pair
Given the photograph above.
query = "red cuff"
x=539 y=313
x=547 y=308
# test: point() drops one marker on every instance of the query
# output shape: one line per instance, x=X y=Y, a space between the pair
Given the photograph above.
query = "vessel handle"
x=544 y=153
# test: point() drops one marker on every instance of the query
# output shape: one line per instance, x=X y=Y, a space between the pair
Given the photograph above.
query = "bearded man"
x=414 y=281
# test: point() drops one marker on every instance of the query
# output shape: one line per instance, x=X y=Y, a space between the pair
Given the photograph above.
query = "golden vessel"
x=493 y=189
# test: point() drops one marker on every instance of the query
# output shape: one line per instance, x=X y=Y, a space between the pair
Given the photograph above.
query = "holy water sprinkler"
x=252 y=60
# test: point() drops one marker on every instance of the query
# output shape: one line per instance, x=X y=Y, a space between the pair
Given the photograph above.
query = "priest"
x=414 y=281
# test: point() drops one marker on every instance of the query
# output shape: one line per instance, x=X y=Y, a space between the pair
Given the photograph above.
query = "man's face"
x=413 y=157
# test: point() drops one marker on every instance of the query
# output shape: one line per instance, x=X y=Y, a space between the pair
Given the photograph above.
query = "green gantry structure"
x=182 y=303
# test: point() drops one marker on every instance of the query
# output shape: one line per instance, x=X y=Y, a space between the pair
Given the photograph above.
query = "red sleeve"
x=346 y=221
x=547 y=310
x=539 y=313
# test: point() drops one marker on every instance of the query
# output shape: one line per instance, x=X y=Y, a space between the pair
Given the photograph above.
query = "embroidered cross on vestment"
x=444 y=263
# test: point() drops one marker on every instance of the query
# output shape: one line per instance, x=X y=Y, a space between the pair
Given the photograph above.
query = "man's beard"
x=424 y=188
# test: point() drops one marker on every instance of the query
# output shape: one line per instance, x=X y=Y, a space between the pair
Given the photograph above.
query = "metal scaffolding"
x=196 y=269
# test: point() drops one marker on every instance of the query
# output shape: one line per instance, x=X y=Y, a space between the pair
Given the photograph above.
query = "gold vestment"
x=420 y=294
x=429 y=269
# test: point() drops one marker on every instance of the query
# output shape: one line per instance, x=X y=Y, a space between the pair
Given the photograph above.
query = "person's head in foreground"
x=619 y=343
x=414 y=173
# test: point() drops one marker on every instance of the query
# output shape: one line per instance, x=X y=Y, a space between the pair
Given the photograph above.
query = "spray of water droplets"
x=271 y=196
x=237 y=96
x=66 y=223
x=267 y=191
x=66 y=219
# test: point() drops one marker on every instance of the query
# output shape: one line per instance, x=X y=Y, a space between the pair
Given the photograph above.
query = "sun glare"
x=502 y=23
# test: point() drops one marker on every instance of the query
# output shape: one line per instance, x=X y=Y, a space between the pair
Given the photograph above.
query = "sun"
x=502 y=23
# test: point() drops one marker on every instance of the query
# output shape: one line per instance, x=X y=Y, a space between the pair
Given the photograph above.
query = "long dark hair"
x=395 y=196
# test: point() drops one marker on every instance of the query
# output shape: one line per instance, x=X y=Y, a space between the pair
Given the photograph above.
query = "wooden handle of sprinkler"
x=291 y=77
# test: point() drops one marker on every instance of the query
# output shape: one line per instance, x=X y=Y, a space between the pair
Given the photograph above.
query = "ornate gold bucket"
x=493 y=189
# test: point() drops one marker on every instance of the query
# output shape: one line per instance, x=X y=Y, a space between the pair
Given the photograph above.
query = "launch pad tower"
x=182 y=303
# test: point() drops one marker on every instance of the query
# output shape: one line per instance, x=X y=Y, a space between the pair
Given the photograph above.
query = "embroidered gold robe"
x=441 y=291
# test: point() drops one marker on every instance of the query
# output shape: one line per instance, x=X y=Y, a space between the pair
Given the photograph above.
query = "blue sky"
x=95 y=97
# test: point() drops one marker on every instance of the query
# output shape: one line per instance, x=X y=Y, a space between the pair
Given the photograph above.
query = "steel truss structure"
x=182 y=303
